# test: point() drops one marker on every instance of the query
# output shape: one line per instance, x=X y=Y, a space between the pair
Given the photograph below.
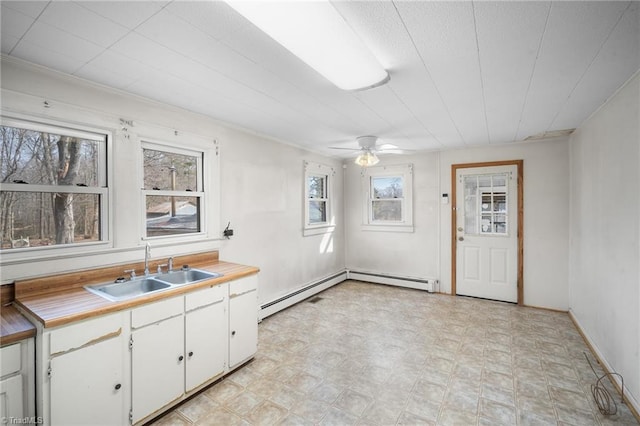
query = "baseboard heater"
x=305 y=292
x=430 y=285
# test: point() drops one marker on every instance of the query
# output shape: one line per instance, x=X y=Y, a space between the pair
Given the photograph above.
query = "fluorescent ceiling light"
x=316 y=33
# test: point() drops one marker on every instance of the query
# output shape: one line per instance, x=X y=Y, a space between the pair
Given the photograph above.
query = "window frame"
x=312 y=169
x=368 y=174
x=200 y=192
x=102 y=190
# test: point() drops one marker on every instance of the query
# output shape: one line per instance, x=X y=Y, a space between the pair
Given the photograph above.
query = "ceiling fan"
x=368 y=148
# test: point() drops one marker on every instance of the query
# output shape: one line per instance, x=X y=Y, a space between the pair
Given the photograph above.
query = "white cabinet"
x=243 y=319
x=86 y=380
x=177 y=345
x=16 y=381
x=206 y=329
x=157 y=356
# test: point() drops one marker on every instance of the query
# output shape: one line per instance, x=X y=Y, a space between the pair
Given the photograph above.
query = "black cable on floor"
x=601 y=395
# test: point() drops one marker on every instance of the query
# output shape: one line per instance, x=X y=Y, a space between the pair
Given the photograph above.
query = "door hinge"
x=131 y=342
x=49 y=371
x=130 y=415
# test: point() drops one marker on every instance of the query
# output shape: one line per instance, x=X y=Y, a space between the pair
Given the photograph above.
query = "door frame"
x=454 y=217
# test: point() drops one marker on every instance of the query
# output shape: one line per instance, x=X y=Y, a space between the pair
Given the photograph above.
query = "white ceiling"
x=462 y=73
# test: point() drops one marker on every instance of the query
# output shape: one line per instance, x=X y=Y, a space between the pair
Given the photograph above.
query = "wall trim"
x=629 y=398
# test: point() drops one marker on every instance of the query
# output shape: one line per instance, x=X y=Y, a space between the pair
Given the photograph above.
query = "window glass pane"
x=387 y=187
x=316 y=186
x=387 y=210
x=485 y=208
x=36 y=219
x=172 y=215
x=170 y=171
x=43 y=158
x=317 y=212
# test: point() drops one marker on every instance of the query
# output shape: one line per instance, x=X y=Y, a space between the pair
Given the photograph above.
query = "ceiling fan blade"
x=394 y=151
x=346 y=149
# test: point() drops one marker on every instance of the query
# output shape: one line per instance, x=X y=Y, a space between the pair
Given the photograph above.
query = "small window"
x=318 y=179
x=486 y=208
x=173 y=191
x=388 y=203
x=53 y=186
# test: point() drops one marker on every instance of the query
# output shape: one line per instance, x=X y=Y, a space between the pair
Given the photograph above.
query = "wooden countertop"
x=14 y=326
x=55 y=305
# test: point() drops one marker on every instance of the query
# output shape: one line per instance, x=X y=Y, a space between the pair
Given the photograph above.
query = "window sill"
x=318 y=230
x=388 y=228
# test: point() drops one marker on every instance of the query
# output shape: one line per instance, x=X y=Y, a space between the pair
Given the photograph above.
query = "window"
x=485 y=205
x=53 y=189
x=318 y=179
x=388 y=198
x=173 y=191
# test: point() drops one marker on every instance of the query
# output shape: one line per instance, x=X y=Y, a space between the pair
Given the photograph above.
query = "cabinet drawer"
x=242 y=285
x=207 y=296
x=78 y=335
x=157 y=311
x=10 y=359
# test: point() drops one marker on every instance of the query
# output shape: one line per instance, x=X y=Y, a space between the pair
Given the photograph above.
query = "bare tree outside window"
x=387 y=198
x=47 y=180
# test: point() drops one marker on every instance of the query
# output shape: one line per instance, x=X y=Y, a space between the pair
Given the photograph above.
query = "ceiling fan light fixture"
x=317 y=34
x=367 y=159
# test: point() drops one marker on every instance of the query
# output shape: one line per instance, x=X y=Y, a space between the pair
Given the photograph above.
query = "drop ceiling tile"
x=47 y=57
x=574 y=35
x=127 y=13
x=13 y=23
x=444 y=35
x=30 y=8
x=83 y=23
x=115 y=70
x=618 y=60
x=146 y=51
x=509 y=36
x=8 y=43
x=61 y=42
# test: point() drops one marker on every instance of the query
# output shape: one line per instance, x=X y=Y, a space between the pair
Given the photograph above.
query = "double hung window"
x=173 y=191
x=318 y=193
x=53 y=185
x=388 y=198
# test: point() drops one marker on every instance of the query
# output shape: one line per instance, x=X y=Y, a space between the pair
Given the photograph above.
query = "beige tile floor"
x=368 y=354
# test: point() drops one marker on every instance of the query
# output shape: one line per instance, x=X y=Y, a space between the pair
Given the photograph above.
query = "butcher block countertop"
x=62 y=299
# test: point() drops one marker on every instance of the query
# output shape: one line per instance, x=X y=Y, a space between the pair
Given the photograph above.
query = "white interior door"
x=487 y=232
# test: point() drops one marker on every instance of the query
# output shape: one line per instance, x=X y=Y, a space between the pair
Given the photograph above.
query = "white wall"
x=259 y=180
x=546 y=216
x=605 y=232
x=426 y=253
x=401 y=254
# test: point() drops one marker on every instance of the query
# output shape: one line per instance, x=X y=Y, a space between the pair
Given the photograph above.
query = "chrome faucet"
x=147 y=255
x=170 y=264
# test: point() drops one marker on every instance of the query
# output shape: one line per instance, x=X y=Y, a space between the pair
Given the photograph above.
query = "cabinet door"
x=11 y=405
x=86 y=385
x=157 y=366
x=206 y=343
x=243 y=320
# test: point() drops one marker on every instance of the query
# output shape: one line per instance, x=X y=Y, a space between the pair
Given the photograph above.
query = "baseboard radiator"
x=430 y=285
x=289 y=299
x=296 y=296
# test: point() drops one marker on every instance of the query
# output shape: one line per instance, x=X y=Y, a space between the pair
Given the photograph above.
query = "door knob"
x=460 y=229
x=460 y=238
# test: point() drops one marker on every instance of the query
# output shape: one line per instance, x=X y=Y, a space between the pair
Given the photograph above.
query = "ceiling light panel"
x=317 y=34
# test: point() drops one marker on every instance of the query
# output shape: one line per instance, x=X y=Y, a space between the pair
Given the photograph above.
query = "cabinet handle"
x=118 y=386
x=190 y=354
x=233 y=333
x=180 y=358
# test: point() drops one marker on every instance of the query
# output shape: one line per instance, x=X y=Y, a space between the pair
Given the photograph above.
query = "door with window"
x=486 y=232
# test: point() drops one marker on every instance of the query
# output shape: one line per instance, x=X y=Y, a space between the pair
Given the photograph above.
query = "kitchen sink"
x=188 y=276
x=118 y=291
x=123 y=289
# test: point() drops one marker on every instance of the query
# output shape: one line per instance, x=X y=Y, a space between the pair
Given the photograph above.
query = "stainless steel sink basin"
x=129 y=289
x=188 y=276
